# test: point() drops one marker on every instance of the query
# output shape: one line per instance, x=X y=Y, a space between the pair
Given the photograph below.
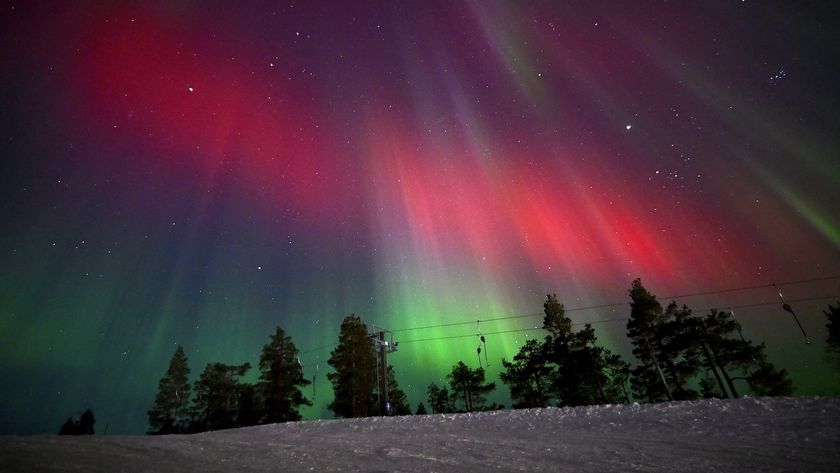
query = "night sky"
x=197 y=173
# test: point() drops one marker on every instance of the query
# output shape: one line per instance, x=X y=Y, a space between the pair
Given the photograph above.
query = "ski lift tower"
x=383 y=343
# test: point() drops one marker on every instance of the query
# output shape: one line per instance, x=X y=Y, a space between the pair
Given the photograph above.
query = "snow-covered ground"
x=790 y=434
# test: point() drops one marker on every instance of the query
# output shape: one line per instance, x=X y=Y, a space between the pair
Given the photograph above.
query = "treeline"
x=83 y=426
x=678 y=355
x=221 y=400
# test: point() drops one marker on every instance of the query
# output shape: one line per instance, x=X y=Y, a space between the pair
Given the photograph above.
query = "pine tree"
x=440 y=401
x=528 y=376
x=555 y=321
x=832 y=339
x=659 y=340
x=580 y=371
x=280 y=380
x=217 y=394
x=645 y=316
x=768 y=380
x=711 y=344
x=677 y=342
x=354 y=378
x=170 y=413
x=468 y=386
x=728 y=359
x=593 y=374
x=421 y=410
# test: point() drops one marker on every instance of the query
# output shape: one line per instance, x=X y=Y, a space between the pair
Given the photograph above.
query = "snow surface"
x=752 y=434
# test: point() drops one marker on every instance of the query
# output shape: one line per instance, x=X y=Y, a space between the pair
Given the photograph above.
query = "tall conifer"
x=217 y=396
x=170 y=413
x=354 y=378
x=280 y=379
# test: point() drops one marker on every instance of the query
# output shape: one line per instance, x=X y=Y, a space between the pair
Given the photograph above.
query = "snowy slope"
x=793 y=434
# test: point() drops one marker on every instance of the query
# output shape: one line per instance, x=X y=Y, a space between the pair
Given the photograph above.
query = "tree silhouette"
x=440 y=401
x=396 y=396
x=280 y=379
x=727 y=358
x=421 y=409
x=468 y=386
x=249 y=410
x=354 y=378
x=170 y=413
x=528 y=375
x=768 y=380
x=832 y=339
x=555 y=321
x=660 y=342
x=718 y=353
x=69 y=427
x=83 y=426
x=86 y=422
x=592 y=374
x=568 y=368
x=217 y=395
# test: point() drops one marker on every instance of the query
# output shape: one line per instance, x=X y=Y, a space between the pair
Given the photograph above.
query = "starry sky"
x=197 y=173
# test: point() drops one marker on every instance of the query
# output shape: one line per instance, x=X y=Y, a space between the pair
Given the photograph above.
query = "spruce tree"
x=249 y=410
x=86 y=422
x=170 y=413
x=557 y=347
x=421 y=410
x=354 y=378
x=217 y=395
x=396 y=396
x=468 y=386
x=280 y=380
x=69 y=427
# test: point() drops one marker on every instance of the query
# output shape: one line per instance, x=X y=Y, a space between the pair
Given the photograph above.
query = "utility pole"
x=383 y=346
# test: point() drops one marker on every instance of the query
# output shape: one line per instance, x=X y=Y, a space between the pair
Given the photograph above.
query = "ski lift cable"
x=621 y=319
x=617 y=304
x=603 y=321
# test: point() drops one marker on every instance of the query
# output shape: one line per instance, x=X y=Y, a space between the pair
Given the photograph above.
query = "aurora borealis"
x=197 y=173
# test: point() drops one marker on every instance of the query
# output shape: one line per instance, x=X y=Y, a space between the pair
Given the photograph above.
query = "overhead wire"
x=602 y=321
x=596 y=307
x=616 y=304
x=619 y=319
